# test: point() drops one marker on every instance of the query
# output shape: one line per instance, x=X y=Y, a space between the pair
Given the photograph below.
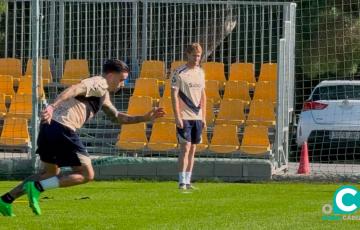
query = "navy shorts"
x=191 y=131
x=58 y=144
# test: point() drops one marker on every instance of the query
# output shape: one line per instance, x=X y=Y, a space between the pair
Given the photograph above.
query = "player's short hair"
x=115 y=65
x=194 y=47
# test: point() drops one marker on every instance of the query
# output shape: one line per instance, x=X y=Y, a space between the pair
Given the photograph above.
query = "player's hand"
x=204 y=125
x=46 y=114
x=154 y=114
x=179 y=123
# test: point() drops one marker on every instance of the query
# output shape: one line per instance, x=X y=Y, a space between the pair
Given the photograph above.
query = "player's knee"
x=185 y=147
x=88 y=175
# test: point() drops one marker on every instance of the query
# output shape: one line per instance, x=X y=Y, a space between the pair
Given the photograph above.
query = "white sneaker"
x=182 y=186
x=191 y=187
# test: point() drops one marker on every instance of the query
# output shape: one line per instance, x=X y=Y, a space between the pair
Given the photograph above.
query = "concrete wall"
x=15 y=168
x=158 y=169
x=209 y=169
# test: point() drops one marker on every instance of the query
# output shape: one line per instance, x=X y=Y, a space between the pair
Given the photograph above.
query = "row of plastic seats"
x=21 y=106
x=264 y=90
x=24 y=86
x=74 y=71
x=224 y=140
x=214 y=71
x=15 y=132
x=232 y=111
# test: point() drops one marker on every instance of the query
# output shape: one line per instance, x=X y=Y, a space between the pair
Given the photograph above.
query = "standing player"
x=189 y=104
x=59 y=145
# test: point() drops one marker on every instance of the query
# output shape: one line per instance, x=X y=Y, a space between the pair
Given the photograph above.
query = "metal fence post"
x=144 y=31
x=35 y=12
x=134 y=40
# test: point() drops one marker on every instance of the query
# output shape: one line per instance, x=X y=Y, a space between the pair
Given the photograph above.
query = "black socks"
x=38 y=186
x=7 y=198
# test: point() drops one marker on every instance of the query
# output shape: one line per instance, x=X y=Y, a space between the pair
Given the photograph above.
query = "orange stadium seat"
x=75 y=70
x=215 y=71
x=132 y=137
x=163 y=137
x=15 y=132
x=243 y=72
x=225 y=139
x=268 y=72
x=255 y=140
x=153 y=69
x=45 y=68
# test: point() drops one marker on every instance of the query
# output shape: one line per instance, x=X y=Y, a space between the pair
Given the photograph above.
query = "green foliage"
x=330 y=38
x=2 y=6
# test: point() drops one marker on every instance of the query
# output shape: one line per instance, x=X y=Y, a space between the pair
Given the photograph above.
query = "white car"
x=331 y=115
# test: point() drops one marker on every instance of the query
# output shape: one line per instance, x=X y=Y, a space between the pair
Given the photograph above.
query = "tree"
x=330 y=41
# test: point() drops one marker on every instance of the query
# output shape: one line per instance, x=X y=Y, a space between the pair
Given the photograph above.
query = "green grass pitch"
x=159 y=205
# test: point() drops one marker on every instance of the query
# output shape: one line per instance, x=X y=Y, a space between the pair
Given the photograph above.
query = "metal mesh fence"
x=76 y=37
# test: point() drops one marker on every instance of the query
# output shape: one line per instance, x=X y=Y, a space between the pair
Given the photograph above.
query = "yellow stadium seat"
x=265 y=90
x=139 y=105
x=75 y=70
x=163 y=137
x=147 y=87
x=132 y=137
x=261 y=113
x=268 y=72
x=225 y=139
x=255 y=140
x=176 y=64
x=166 y=103
x=21 y=106
x=237 y=90
x=243 y=72
x=25 y=87
x=231 y=112
x=210 y=116
x=204 y=142
x=45 y=68
x=153 y=69
x=212 y=91
x=11 y=66
x=167 y=89
x=3 y=109
x=7 y=85
x=15 y=132
x=215 y=71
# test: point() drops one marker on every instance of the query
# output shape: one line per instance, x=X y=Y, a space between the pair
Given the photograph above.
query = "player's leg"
x=184 y=139
x=48 y=170
x=79 y=175
x=190 y=166
x=82 y=172
x=183 y=163
x=196 y=130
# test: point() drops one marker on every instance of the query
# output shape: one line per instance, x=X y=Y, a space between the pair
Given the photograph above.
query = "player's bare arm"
x=123 y=118
x=68 y=93
x=175 y=106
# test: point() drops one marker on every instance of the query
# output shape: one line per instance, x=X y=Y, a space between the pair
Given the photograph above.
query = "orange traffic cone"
x=304 y=167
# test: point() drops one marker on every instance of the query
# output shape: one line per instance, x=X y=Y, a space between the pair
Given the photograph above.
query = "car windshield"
x=337 y=92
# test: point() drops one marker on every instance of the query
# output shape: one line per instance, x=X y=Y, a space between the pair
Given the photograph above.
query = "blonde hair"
x=194 y=47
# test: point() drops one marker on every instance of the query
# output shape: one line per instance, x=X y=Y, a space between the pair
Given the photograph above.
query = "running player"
x=58 y=143
x=189 y=104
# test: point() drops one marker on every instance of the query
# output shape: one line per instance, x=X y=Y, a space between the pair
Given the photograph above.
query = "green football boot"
x=33 y=195
x=6 y=209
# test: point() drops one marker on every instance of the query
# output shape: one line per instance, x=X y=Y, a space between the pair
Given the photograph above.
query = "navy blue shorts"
x=191 y=131
x=58 y=144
